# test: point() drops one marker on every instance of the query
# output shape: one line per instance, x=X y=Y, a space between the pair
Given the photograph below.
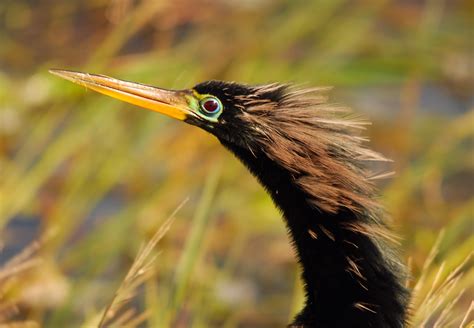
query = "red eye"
x=210 y=106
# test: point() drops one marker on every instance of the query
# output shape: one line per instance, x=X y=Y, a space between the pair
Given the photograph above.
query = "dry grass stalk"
x=9 y=271
x=141 y=270
x=466 y=318
x=434 y=309
x=22 y=261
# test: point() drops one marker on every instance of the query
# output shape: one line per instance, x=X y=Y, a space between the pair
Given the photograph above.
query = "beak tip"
x=55 y=71
x=67 y=75
x=58 y=72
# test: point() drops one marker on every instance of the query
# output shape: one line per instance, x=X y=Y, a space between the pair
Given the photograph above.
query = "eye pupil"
x=211 y=106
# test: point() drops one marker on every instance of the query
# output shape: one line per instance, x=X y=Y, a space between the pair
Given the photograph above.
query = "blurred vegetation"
x=85 y=180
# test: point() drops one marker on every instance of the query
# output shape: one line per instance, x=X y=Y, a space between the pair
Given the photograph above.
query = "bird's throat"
x=347 y=278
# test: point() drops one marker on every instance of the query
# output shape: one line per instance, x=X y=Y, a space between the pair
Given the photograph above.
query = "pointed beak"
x=169 y=102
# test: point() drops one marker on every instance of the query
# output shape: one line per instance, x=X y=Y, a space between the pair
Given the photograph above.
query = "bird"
x=310 y=157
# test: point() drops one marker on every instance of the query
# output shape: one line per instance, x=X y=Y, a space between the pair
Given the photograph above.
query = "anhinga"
x=310 y=161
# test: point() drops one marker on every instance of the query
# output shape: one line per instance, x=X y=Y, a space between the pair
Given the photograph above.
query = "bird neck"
x=349 y=278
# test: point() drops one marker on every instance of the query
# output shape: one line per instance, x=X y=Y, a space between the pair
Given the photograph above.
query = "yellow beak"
x=169 y=102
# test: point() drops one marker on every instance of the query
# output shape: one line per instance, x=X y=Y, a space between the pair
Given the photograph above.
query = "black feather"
x=311 y=162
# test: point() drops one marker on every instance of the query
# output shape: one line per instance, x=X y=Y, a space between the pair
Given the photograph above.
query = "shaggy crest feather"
x=309 y=138
x=319 y=144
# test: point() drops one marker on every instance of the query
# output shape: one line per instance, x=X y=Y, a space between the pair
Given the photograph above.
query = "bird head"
x=293 y=127
x=221 y=108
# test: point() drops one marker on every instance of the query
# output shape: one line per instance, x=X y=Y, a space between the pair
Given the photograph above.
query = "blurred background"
x=85 y=180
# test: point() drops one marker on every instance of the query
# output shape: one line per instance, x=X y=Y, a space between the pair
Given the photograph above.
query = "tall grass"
x=102 y=175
